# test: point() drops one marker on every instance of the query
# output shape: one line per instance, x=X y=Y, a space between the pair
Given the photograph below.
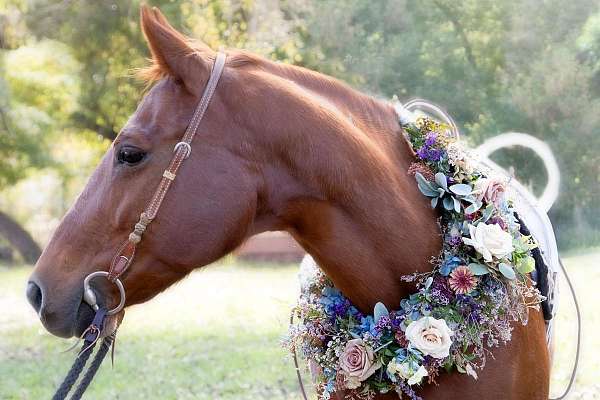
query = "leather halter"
x=124 y=257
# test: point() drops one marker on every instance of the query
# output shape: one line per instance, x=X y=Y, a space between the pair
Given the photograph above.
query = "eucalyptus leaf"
x=472 y=208
x=456 y=204
x=461 y=189
x=507 y=271
x=421 y=180
x=379 y=311
x=470 y=199
x=440 y=179
x=478 y=269
x=427 y=190
x=434 y=202
x=487 y=212
x=428 y=283
x=448 y=203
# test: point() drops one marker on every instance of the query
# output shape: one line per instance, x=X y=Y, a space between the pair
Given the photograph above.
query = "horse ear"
x=172 y=53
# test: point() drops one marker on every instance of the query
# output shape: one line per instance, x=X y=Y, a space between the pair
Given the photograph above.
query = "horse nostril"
x=34 y=295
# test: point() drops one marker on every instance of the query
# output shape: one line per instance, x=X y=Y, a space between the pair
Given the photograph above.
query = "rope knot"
x=140 y=228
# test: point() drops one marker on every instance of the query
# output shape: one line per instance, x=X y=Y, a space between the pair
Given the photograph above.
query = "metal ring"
x=187 y=146
x=90 y=298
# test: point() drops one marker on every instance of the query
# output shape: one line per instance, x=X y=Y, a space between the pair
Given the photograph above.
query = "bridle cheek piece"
x=182 y=150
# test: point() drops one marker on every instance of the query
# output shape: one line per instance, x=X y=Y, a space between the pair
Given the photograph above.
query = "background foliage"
x=66 y=86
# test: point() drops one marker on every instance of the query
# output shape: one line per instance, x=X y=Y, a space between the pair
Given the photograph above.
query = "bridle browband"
x=126 y=252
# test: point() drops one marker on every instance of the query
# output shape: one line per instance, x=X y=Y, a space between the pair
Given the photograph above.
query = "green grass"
x=216 y=335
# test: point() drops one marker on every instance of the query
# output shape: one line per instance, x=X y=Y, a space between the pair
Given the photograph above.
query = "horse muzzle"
x=68 y=313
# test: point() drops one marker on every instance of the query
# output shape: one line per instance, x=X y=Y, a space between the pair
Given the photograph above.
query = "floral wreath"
x=479 y=285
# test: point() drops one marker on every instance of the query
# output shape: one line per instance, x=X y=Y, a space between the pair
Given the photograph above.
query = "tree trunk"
x=19 y=238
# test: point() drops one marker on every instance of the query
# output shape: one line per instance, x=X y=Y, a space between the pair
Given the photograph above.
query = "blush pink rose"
x=357 y=363
x=490 y=189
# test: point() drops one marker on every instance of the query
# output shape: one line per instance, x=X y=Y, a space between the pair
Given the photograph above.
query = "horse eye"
x=130 y=155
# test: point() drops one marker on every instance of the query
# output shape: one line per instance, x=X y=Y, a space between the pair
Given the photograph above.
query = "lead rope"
x=107 y=342
x=63 y=390
x=577 y=352
x=91 y=336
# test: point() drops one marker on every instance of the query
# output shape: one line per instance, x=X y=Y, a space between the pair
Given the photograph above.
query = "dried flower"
x=422 y=169
x=462 y=280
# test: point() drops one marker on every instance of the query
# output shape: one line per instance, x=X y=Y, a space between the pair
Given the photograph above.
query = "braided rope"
x=93 y=368
x=75 y=371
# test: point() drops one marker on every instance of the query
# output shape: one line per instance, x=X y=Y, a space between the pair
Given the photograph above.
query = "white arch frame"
x=510 y=139
x=408 y=112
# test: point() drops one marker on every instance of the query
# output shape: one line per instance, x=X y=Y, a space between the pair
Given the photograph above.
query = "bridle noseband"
x=126 y=252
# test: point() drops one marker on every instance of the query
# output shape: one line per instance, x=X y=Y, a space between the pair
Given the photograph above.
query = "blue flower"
x=449 y=265
x=367 y=324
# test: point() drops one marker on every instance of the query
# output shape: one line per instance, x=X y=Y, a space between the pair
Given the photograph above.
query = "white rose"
x=406 y=372
x=430 y=336
x=489 y=240
x=357 y=363
x=418 y=376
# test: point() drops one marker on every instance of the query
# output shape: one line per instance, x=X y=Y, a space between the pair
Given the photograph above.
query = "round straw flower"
x=462 y=280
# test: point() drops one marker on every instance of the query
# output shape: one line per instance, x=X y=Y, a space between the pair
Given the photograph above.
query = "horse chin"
x=85 y=316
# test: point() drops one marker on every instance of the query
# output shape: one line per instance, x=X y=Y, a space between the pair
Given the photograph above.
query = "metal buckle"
x=187 y=146
x=90 y=297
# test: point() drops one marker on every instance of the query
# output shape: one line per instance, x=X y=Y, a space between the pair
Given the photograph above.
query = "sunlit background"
x=66 y=88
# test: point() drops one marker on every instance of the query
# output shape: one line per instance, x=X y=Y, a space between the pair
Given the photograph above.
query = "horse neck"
x=344 y=193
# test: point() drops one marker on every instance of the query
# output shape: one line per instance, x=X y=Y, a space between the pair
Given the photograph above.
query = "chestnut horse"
x=280 y=148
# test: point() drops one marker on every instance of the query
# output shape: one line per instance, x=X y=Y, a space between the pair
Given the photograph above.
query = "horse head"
x=210 y=208
x=279 y=148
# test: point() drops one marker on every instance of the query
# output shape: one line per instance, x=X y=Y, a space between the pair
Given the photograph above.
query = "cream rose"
x=406 y=372
x=430 y=336
x=490 y=189
x=490 y=240
x=357 y=363
x=418 y=376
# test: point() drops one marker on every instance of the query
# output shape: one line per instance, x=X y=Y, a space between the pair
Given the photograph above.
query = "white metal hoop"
x=435 y=111
x=550 y=194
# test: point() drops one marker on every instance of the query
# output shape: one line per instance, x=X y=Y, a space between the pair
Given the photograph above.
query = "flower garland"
x=479 y=285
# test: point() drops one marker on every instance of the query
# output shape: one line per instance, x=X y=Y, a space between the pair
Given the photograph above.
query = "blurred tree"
x=114 y=46
x=525 y=66
x=521 y=65
x=20 y=149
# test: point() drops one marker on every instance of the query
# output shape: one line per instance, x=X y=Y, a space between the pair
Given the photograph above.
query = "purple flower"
x=430 y=139
x=383 y=324
x=340 y=308
x=441 y=292
x=422 y=153
x=469 y=308
x=429 y=153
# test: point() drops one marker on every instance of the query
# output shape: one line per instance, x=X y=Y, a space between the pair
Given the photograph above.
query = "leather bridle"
x=127 y=251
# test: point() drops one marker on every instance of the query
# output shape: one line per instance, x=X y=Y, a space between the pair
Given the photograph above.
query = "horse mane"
x=316 y=82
